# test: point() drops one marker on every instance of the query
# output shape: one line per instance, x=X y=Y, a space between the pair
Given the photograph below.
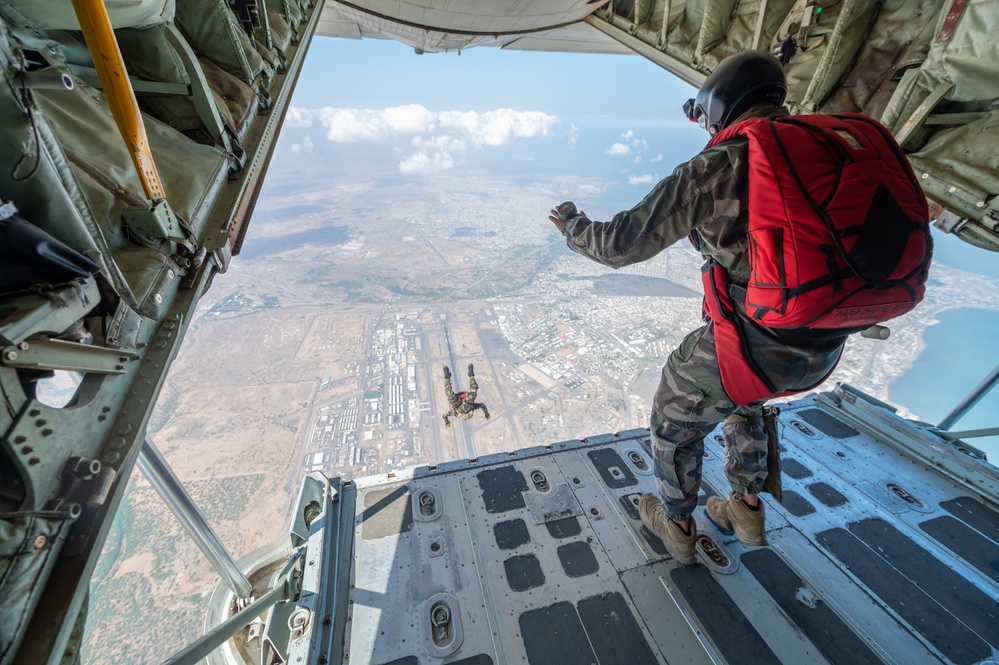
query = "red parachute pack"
x=839 y=236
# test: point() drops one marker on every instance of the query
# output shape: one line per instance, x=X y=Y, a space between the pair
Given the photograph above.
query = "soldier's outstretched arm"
x=692 y=194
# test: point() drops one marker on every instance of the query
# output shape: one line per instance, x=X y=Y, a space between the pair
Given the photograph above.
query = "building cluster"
x=610 y=338
x=333 y=439
x=351 y=432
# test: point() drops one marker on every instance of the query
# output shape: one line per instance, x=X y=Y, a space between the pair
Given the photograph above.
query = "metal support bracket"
x=58 y=311
x=157 y=221
x=54 y=354
x=159 y=474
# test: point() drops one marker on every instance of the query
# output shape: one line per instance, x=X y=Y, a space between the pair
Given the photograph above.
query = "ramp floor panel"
x=545 y=560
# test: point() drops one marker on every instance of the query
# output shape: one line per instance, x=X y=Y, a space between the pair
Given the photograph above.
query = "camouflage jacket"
x=705 y=199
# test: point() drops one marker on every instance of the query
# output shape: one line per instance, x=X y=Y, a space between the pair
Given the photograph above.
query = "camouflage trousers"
x=689 y=403
x=457 y=399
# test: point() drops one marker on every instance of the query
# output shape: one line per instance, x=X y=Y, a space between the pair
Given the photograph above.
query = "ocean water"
x=960 y=351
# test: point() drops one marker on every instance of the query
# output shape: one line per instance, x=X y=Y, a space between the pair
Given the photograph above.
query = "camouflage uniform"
x=463 y=404
x=704 y=198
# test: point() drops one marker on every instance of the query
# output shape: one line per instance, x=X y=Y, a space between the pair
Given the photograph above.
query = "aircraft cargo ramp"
x=884 y=549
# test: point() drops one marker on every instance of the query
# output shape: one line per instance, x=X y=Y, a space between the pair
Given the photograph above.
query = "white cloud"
x=641 y=179
x=442 y=143
x=410 y=119
x=657 y=158
x=298 y=117
x=437 y=136
x=641 y=144
x=499 y=127
x=307 y=145
x=423 y=164
x=638 y=159
x=628 y=135
x=618 y=149
x=573 y=135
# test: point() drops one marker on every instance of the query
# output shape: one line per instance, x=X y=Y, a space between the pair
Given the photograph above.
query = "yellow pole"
x=96 y=25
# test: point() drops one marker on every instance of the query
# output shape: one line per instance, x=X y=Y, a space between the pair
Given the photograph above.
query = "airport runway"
x=455 y=373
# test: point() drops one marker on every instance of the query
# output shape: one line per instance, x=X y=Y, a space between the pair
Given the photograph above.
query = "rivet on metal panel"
x=34 y=412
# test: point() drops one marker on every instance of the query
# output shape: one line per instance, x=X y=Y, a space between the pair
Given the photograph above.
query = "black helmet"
x=739 y=82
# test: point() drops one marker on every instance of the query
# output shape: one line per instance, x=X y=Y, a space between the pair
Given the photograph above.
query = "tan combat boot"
x=734 y=515
x=679 y=544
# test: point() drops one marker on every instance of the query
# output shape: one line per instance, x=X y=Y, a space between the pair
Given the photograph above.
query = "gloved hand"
x=447 y=372
x=563 y=213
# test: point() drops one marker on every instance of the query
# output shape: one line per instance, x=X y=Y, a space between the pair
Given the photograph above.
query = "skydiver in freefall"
x=463 y=404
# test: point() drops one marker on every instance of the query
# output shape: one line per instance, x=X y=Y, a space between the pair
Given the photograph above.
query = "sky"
x=617 y=118
x=375 y=106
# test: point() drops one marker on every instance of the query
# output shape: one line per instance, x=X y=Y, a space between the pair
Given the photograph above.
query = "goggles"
x=694 y=114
